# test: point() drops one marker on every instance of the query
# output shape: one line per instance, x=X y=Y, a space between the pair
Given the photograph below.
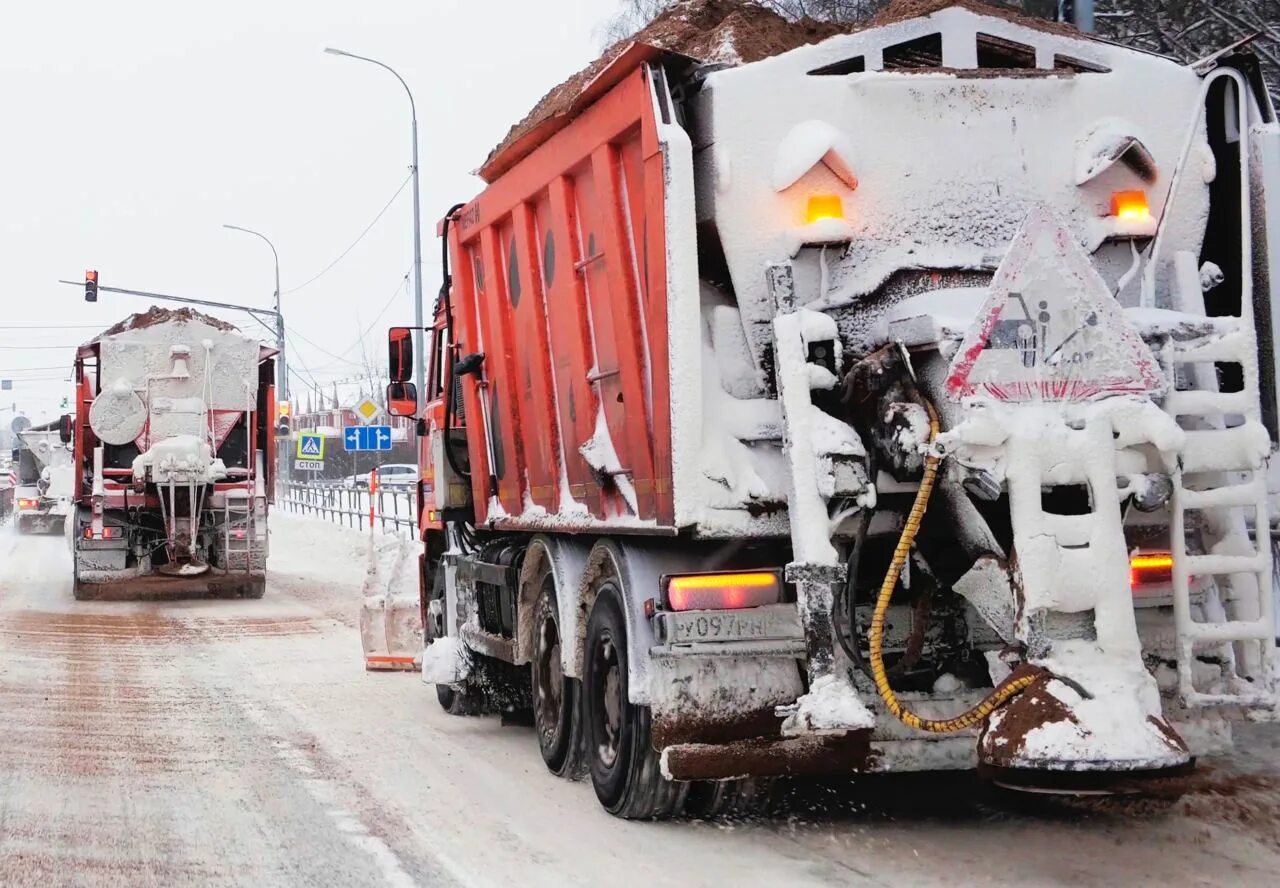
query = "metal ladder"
x=1218 y=473
x=237 y=530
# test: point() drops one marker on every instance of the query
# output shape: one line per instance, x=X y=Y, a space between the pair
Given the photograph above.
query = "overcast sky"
x=130 y=131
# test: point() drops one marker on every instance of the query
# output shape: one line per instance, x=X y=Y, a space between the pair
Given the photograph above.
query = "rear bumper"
x=131 y=585
x=40 y=521
x=720 y=709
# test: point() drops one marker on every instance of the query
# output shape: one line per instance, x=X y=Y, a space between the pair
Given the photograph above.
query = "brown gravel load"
x=705 y=30
x=156 y=315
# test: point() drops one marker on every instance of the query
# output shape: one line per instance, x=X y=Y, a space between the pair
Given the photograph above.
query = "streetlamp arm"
x=413 y=108
x=257 y=234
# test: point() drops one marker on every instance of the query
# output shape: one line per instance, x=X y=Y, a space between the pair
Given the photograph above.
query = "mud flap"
x=390 y=610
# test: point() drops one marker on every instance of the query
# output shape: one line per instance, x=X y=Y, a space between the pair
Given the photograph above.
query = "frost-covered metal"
x=963 y=323
x=174 y=440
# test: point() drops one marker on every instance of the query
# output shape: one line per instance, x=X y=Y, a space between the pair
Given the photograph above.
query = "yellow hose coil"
x=1000 y=695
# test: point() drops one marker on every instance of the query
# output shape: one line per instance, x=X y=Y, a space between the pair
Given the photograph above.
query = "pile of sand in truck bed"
x=728 y=31
x=707 y=30
x=157 y=315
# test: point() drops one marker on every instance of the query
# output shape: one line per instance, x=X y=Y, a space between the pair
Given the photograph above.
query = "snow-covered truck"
x=174 y=448
x=807 y=400
x=43 y=471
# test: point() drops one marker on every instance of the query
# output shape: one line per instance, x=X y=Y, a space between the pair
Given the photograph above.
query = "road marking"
x=324 y=792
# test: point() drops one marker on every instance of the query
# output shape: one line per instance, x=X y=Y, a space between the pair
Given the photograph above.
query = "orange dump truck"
x=807 y=400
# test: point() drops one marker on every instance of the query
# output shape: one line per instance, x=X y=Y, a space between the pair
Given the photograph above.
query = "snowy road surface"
x=241 y=743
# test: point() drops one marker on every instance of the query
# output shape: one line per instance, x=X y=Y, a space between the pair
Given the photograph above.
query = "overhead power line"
x=344 y=253
x=50 y=326
x=342 y=357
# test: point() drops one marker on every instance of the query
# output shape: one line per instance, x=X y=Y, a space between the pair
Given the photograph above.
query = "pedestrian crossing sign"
x=310 y=446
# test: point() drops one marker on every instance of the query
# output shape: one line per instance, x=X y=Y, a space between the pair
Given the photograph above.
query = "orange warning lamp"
x=824 y=206
x=1146 y=568
x=1131 y=206
x=283 y=408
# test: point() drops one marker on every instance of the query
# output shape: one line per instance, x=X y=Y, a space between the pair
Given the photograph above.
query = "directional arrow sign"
x=367 y=437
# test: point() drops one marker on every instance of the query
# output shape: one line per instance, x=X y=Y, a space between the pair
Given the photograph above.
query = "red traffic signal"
x=90 y=286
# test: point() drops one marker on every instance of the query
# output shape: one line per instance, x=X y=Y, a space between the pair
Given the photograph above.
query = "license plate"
x=773 y=623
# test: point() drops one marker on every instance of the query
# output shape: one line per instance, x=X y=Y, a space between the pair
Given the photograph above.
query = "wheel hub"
x=550 y=677
x=612 y=702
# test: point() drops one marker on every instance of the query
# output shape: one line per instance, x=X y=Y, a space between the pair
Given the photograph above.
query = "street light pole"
x=419 y=356
x=282 y=371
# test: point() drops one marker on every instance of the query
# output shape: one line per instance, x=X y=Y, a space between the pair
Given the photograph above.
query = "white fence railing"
x=393 y=511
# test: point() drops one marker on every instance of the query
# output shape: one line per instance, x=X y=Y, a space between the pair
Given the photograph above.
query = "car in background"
x=397 y=476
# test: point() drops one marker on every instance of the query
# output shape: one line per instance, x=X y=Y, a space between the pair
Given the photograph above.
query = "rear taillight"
x=1150 y=568
x=108 y=533
x=723 y=591
x=25 y=503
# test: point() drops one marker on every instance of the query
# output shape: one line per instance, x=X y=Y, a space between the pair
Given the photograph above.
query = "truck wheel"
x=454 y=702
x=555 y=695
x=624 y=766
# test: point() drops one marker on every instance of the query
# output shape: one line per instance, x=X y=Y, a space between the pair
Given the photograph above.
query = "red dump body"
x=560 y=279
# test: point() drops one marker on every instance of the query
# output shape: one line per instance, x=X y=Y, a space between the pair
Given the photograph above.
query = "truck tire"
x=454 y=702
x=743 y=797
x=623 y=763
x=555 y=695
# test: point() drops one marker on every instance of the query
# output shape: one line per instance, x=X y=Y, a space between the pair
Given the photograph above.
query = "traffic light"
x=90 y=286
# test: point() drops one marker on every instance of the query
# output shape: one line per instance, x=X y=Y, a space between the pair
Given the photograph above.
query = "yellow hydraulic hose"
x=1000 y=695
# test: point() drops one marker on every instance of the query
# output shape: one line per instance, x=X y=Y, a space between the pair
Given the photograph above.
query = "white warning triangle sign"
x=1051 y=330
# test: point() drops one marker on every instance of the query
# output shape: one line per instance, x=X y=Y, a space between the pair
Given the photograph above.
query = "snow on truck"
x=45 y=478
x=810 y=401
x=174 y=448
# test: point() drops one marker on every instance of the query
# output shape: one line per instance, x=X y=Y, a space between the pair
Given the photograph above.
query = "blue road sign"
x=377 y=437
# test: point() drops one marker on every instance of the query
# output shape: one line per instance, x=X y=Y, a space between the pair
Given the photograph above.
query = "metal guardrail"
x=394 y=511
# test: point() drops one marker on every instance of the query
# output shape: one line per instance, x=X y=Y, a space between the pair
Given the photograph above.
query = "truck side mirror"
x=66 y=428
x=402 y=399
x=400 y=353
